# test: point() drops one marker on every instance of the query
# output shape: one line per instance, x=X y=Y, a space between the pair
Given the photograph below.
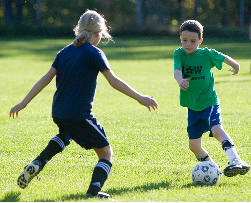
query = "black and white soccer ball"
x=206 y=173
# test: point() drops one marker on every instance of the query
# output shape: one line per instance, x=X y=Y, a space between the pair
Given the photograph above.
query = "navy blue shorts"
x=200 y=122
x=87 y=133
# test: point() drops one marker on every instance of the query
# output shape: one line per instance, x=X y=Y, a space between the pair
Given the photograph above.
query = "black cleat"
x=30 y=171
x=100 y=195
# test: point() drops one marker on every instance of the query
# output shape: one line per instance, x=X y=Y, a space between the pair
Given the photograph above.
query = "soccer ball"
x=206 y=173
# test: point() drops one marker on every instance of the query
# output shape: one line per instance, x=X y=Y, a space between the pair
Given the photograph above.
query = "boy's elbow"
x=238 y=66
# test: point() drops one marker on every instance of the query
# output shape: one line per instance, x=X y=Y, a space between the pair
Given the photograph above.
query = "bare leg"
x=220 y=134
x=236 y=165
x=195 y=146
x=105 y=153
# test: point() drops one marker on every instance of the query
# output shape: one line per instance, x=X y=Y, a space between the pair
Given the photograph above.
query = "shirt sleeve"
x=101 y=62
x=217 y=58
x=56 y=60
x=177 y=59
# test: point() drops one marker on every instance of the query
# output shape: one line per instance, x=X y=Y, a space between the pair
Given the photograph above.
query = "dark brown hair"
x=192 y=26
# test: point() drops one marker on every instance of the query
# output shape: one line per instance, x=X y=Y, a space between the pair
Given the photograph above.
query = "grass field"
x=152 y=161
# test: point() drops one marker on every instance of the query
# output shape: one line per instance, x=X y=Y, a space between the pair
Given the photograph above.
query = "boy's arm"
x=123 y=87
x=183 y=83
x=44 y=81
x=231 y=62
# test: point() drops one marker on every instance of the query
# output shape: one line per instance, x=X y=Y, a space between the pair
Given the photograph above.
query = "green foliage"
x=54 y=18
x=152 y=161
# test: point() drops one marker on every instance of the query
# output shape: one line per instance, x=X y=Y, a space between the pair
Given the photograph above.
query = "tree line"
x=125 y=16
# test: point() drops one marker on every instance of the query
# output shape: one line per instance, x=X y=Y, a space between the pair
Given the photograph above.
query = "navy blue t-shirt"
x=76 y=80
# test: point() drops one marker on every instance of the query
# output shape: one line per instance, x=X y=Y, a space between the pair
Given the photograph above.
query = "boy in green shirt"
x=194 y=74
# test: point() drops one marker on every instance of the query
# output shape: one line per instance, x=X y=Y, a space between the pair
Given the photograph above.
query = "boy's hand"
x=231 y=62
x=149 y=102
x=184 y=83
x=234 y=72
x=14 y=110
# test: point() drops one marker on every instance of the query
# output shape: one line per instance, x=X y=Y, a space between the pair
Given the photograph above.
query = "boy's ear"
x=180 y=38
x=201 y=40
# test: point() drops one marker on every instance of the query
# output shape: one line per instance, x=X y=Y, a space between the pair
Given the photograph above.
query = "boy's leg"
x=200 y=153
x=195 y=128
x=55 y=146
x=101 y=172
x=236 y=165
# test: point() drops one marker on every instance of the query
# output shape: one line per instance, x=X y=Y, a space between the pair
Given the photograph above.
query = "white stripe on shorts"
x=104 y=166
x=96 y=128
x=59 y=141
x=209 y=120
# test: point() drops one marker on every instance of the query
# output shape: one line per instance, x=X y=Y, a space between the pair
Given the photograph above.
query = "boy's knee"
x=220 y=134
x=218 y=130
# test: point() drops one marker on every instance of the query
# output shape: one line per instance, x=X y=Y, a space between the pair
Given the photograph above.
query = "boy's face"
x=190 y=41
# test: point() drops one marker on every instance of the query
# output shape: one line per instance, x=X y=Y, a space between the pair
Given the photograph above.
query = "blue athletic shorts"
x=87 y=133
x=200 y=122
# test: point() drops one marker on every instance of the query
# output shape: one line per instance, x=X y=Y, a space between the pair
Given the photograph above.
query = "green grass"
x=152 y=161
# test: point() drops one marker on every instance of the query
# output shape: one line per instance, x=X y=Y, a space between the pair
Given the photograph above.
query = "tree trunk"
x=139 y=14
x=19 y=15
x=196 y=13
x=8 y=12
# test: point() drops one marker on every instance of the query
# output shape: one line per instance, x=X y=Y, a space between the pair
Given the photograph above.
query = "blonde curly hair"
x=90 y=23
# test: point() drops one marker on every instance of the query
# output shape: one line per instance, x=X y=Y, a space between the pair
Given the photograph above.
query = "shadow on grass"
x=123 y=49
x=11 y=197
x=14 y=196
x=219 y=185
x=141 y=188
x=232 y=82
x=191 y=185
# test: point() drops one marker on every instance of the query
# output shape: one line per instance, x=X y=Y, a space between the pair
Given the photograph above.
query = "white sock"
x=232 y=154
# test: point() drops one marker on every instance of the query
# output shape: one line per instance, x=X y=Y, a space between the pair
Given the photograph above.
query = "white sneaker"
x=236 y=166
x=30 y=171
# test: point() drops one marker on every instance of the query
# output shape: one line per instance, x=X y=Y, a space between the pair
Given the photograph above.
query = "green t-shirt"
x=198 y=66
